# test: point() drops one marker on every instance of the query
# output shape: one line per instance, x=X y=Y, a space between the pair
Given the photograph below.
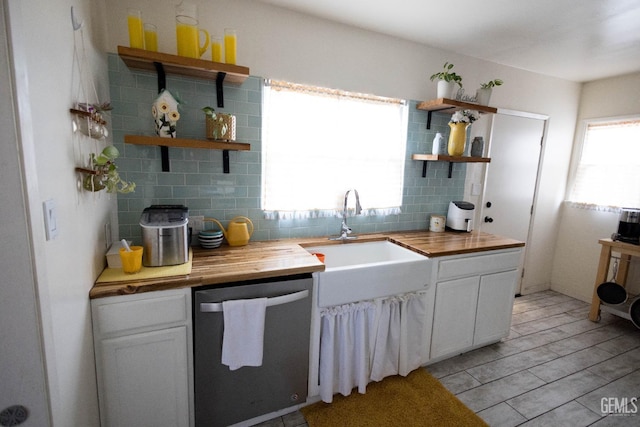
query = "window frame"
x=576 y=158
x=403 y=131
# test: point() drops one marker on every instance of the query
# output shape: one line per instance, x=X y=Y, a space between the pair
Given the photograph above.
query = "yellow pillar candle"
x=216 y=49
x=150 y=37
x=230 y=44
x=136 y=31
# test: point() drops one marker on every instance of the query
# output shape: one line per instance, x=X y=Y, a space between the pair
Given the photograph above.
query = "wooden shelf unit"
x=225 y=146
x=163 y=63
x=451 y=105
x=186 y=143
x=173 y=64
x=443 y=158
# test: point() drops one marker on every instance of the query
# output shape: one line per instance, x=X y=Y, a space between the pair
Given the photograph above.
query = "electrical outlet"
x=196 y=223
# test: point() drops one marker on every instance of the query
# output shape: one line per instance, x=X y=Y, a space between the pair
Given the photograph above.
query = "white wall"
x=42 y=41
x=577 y=249
x=280 y=44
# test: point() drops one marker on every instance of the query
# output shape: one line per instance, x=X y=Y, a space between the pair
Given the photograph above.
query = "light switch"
x=50 y=219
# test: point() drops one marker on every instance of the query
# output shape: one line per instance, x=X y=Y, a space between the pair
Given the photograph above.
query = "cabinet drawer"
x=147 y=313
x=478 y=264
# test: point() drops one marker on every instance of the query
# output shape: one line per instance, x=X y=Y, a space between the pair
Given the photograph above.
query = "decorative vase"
x=477 y=147
x=457 y=138
x=437 y=146
x=165 y=114
x=445 y=89
x=221 y=127
x=483 y=96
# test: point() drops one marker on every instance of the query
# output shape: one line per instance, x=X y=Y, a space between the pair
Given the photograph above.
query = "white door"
x=507 y=206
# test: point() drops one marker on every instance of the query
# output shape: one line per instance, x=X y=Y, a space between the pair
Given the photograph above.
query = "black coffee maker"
x=628 y=227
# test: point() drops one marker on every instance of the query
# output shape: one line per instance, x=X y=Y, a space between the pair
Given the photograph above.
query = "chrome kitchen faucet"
x=345 y=230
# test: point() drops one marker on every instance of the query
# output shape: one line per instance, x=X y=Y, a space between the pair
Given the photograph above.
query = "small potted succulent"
x=447 y=81
x=104 y=173
x=483 y=95
x=220 y=126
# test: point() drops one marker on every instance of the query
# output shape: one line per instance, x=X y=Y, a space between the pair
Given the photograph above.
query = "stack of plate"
x=210 y=239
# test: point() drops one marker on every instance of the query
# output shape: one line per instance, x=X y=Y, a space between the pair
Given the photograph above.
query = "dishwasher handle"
x=215 y=307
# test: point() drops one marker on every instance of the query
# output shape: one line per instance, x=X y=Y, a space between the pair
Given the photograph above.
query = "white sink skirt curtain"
x=367 y=341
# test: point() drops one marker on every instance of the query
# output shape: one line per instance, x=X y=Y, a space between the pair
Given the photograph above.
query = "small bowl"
x=210 y=245
x=210 y=233
x=210 y=239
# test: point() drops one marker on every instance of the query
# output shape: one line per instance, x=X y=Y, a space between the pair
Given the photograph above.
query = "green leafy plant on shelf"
x=447 y=75
x=491 y=84
x=104 y=173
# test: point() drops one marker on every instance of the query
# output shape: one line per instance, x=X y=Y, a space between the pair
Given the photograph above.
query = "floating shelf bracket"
x=225 y=161
x=430 y=112
x=425 y=163
x=219 y=91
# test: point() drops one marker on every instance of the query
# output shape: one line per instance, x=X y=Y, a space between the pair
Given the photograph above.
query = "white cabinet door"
x=495 y=305
x=145 y=379
x=454 y=316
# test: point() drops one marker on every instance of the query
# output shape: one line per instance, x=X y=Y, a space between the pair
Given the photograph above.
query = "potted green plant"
x=104 y=173
x=219 y=126
x=447 y=81
x=483 y=95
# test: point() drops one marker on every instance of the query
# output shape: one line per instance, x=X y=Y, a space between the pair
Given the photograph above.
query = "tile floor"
x=554 y=369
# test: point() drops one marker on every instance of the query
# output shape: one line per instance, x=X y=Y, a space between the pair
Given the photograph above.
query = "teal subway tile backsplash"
x=197 y=179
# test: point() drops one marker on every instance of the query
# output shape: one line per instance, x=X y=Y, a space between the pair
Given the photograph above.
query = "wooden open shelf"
x=186 y=143
x=174 y=64
x=442 y=104
x=451 y=105
x=443 y=158
x=163 y=63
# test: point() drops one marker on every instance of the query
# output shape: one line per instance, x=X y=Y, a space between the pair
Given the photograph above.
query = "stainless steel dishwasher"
x=224 y=397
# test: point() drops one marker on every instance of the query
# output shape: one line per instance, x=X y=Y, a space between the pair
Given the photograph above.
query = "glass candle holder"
x=230 y=45
x=136 y=30
x=150 y=37
x=216 y=49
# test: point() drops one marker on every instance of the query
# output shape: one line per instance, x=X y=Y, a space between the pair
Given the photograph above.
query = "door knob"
x=488 y=219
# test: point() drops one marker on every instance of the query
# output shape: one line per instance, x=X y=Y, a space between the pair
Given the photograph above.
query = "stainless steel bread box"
x=165 y=235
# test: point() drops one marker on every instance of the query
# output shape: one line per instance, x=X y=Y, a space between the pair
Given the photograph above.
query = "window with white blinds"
x=608 y=173
x=317 y=143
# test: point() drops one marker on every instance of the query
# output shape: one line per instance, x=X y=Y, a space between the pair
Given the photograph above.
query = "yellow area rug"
x=415 y=400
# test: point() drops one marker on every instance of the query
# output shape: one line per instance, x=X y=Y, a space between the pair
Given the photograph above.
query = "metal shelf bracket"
x=219 y=92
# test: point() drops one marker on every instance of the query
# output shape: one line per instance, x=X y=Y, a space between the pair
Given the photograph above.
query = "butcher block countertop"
x=261 y=260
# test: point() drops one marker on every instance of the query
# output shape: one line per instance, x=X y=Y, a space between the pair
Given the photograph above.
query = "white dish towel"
x=243 y=337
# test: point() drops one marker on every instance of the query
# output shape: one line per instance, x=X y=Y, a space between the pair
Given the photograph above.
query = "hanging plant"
x=104 y=173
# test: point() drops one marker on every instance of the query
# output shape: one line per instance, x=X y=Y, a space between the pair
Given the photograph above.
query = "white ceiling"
x=579 y=40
